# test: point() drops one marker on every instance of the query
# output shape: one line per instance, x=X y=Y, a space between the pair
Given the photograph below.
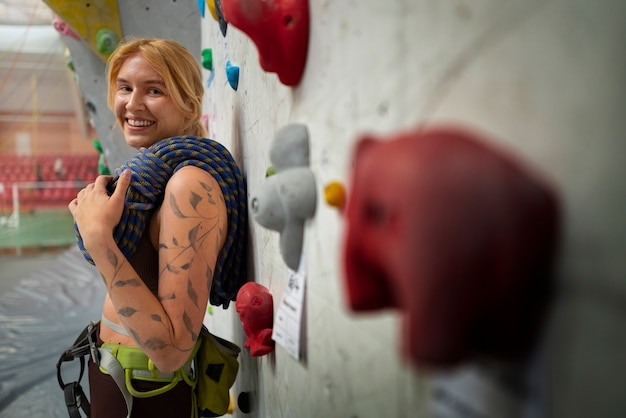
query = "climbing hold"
x=221 y=19
x=280 y=30
x=270 y=171
x=255 y=307
x=458 y=234
x=335 y=194
x=102 y=162
x=63 y=28
x=209 y=80
x=106 y=41
x=232 y=75
x=288 y=198
x=201 y=7
x=243 y=402
x=211 y=4
x=87 y=18
x=207 y=59
x=204 y=120
x=69 y=61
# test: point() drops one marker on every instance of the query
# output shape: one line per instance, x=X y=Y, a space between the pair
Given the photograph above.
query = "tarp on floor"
x=40 y=318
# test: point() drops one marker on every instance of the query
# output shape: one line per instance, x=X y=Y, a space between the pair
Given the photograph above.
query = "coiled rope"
x=151 y=169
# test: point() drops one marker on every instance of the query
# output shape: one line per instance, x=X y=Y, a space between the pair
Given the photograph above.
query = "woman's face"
x=143 y=107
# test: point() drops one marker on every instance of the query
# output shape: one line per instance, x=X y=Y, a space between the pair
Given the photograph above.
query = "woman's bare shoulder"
x=193 y=192
x=190 y=178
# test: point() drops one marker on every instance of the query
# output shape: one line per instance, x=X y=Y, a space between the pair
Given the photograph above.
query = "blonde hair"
x=179 y=69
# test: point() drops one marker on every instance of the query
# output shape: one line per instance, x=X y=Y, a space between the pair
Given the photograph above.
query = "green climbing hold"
x=106 y=41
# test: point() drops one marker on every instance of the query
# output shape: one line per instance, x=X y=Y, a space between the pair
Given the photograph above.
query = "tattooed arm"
x=191 y=227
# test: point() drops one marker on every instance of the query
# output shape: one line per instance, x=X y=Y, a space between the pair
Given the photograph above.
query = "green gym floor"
x=38 y=231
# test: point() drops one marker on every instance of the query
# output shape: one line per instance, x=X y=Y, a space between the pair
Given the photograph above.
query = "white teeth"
x=138 y=123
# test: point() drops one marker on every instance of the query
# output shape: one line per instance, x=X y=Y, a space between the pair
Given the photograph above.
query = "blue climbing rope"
x=151 y=168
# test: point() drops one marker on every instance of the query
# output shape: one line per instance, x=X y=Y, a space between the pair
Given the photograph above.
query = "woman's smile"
x=137 y=123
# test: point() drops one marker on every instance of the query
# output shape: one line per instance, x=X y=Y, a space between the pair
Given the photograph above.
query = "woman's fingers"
x=72 y=205
x=123 y=182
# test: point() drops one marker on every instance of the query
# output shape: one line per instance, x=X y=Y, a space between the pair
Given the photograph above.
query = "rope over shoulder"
x=151 y=169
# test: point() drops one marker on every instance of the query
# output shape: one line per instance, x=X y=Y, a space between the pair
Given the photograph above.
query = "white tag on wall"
x=288 y=320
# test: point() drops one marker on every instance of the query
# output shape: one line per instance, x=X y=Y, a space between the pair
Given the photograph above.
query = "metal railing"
x=17 y=193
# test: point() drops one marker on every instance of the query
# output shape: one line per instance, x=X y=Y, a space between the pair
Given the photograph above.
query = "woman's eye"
x=156 y=92
x=125 y=89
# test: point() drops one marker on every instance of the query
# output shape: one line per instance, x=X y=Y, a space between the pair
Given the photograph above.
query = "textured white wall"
x=545 y=78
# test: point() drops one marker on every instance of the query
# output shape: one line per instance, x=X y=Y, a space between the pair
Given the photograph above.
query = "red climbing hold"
x=279 y=29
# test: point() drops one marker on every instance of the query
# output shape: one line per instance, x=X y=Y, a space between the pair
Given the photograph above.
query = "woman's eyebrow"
x=156 y=81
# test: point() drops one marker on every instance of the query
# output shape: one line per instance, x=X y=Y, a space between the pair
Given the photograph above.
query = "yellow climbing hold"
x=211 y=4
x=335 y=194
x=97 y=22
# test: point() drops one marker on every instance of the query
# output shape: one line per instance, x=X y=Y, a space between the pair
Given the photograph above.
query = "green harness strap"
x=124 y=363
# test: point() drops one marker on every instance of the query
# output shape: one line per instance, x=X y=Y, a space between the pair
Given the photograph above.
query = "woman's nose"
x=135 y=102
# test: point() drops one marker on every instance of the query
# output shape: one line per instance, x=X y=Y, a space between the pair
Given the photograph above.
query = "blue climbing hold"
x=232 y=74
x=201 y=5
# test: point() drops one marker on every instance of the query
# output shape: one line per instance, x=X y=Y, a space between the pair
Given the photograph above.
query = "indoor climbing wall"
x=541 y=80
x=292 y=90
x=92 y=28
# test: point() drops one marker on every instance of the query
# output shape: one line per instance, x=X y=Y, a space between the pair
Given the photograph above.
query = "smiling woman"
x=186 y=247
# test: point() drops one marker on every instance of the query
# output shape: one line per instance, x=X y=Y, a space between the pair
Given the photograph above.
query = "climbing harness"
x=75 y=398
x=215 y=362
x=123 y=364
x=151 y=168
x=210 y=372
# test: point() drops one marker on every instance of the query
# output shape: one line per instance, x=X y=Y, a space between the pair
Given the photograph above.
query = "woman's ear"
x=195 y=107
x=192 y=106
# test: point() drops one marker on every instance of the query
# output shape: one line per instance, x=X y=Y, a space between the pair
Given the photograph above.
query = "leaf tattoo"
x=127 y=311
x=175 y=207
x=206 y=187
x=155 y=343
x=111 y=257
x=129 y=282
x=192 y=293
x=193 y=236
x=172 y=269
x=194 y=200
x=187 y=321
x=209 y=190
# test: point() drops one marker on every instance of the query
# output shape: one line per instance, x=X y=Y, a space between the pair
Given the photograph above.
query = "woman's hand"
x=95 y=212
